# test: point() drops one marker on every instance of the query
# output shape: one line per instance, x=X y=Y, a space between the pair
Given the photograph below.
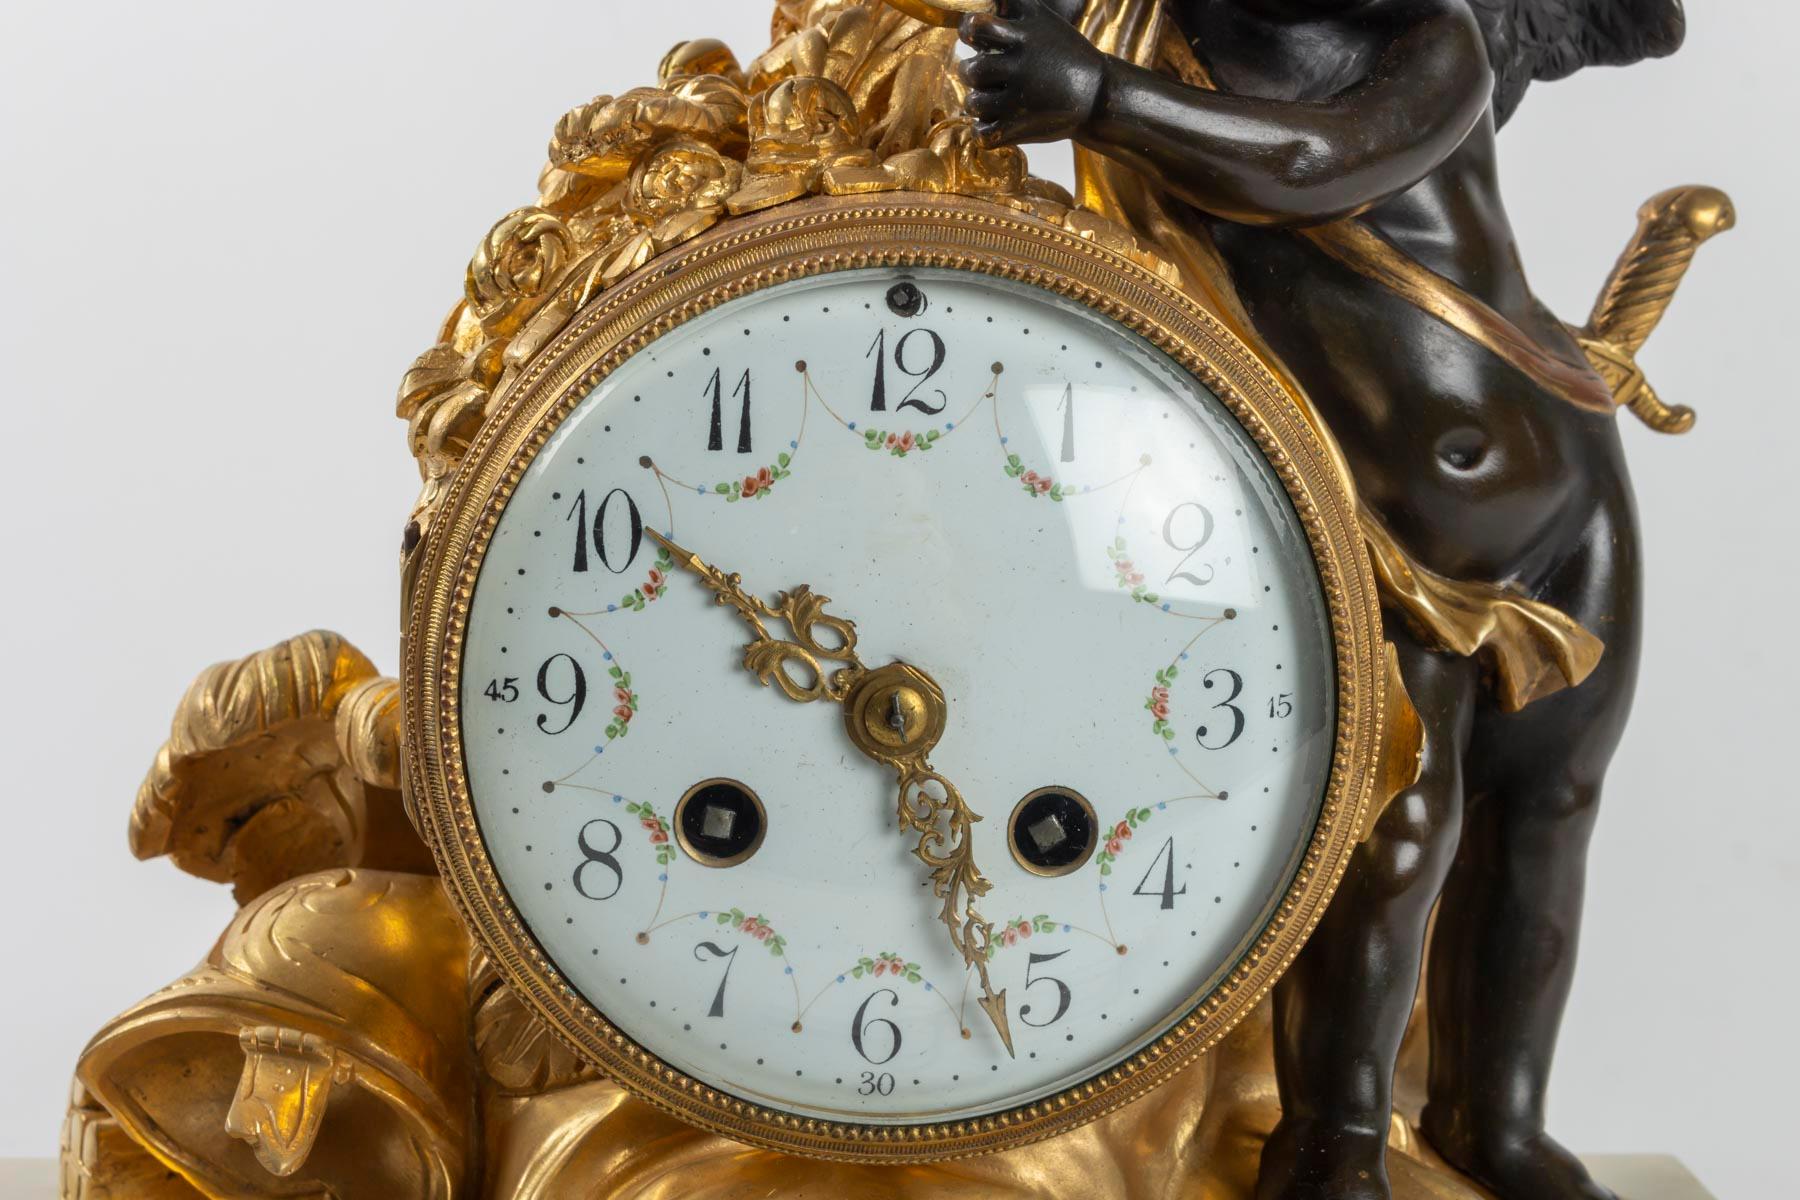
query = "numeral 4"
x=1165 y=858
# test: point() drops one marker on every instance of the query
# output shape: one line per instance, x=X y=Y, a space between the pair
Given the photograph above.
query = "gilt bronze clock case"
x=811 y=239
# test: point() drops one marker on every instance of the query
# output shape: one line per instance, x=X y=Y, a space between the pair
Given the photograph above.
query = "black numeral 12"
x=878 y=401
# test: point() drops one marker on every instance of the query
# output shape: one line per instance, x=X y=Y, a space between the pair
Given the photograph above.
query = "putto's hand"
x=1034 y=77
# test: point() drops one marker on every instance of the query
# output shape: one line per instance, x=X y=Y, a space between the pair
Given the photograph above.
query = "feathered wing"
x=1530 y=40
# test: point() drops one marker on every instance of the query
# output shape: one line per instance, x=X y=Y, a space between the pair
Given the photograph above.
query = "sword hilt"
x=1671 y=227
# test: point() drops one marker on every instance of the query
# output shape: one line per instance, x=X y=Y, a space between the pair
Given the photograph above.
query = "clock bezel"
x=811 y=239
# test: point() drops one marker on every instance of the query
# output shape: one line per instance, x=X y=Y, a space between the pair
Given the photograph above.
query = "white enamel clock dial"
x=1002 y=488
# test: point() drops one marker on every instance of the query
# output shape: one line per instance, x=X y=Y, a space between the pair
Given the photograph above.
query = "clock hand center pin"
x=895 y=715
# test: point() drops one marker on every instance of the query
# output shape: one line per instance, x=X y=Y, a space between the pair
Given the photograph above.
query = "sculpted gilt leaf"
x=517 y=1051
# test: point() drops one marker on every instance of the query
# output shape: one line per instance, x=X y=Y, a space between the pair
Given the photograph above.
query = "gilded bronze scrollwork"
x=854 y=98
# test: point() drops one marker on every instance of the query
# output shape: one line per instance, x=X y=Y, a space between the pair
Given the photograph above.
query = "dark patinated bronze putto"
x=1331 y=170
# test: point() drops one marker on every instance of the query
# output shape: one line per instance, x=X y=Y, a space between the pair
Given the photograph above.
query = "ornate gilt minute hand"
x=894 y=715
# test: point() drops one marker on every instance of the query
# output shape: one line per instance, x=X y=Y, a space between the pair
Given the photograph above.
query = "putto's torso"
x=1472 y=463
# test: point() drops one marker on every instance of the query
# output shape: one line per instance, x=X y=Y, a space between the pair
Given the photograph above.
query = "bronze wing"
x=1531 y=40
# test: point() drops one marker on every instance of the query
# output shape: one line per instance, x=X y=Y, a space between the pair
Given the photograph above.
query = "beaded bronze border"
x=804 y=240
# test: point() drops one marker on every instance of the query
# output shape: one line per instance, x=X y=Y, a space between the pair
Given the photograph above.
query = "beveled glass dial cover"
x=1036 y=508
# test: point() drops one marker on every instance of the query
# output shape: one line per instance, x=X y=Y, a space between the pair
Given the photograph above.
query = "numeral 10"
x=596 y=532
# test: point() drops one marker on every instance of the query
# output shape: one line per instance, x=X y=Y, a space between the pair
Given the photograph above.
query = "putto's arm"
x=1255 y=161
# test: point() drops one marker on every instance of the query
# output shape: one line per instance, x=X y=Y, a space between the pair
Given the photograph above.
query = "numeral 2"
x=1206 y=532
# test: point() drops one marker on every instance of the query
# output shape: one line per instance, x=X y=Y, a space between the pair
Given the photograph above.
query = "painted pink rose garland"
x=754 y=927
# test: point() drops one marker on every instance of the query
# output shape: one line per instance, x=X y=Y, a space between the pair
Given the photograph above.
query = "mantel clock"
x=898 y=656
x=1084 y=653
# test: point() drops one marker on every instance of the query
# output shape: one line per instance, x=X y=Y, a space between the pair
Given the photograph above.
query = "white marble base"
x=1634 y=1177
x=1646 y=1177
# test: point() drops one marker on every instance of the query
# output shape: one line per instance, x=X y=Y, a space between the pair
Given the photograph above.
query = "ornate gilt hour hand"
x=895 y=715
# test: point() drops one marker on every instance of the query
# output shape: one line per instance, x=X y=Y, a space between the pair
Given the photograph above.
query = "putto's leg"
x=1489 y=1082
x=1452 y=979
x=1341 y=1012
x=1512 y=912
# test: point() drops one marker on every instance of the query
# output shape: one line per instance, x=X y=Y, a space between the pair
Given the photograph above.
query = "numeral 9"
x=575 y=701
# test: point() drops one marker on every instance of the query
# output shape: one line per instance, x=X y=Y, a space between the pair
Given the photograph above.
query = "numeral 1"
x=1068 y=412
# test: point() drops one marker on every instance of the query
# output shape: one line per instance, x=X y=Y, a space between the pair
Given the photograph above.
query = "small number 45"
x=503 y=690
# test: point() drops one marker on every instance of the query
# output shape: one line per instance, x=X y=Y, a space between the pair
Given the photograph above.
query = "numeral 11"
x=716 y=389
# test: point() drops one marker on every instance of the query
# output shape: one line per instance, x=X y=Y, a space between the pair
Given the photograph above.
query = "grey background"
x=227 y=228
